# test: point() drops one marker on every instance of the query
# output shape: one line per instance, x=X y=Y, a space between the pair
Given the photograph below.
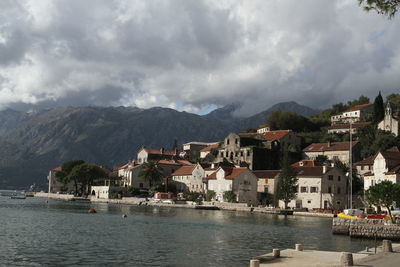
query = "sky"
x=194 y=55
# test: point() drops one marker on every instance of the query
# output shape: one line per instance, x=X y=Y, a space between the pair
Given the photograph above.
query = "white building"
x=390 y=122
x=354 y=114
x=241 y=181
x=386 y=166
x=319 y=187
x=333 y=150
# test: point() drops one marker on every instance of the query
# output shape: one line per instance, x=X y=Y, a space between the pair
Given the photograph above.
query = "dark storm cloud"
x=191 y=54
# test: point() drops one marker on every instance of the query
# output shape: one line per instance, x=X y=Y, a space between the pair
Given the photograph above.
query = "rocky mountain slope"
x=32 y=143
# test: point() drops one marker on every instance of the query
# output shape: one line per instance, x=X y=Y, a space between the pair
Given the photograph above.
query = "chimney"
x=323 y=169
x=162 y=150
x=212 y=165
x=329 y=143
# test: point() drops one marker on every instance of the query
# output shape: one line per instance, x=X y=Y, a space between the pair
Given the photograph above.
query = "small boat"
x=351 y=214
x=378 y=216
x=206 y=207
x=18 y=197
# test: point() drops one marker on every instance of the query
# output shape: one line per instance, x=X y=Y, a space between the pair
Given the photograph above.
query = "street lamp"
x=351 y=167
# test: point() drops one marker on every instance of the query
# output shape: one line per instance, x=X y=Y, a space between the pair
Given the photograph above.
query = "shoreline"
x=133 y=201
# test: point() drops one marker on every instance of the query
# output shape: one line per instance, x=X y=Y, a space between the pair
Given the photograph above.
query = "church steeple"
x=388 y=111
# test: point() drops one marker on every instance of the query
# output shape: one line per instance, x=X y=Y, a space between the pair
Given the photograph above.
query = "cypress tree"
x=379 y=110
x=287 y=180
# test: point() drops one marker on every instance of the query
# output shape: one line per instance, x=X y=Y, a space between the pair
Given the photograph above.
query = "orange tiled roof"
x=57 y=169
x=307 y=163
x=184 y=170
x=168 y=162
x=275 y=135
x=158 y=151
x=230 y=173
x=210 y=147
x=334 y=146
x=367 y=161
x=358 y=107
x=266 y=173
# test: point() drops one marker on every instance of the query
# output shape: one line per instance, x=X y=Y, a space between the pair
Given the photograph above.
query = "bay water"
x=41 y=232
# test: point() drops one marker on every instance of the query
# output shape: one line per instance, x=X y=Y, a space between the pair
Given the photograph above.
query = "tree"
x=280 y=120
x=86 y=174
x=394 y=100
x=360 y=101
x=379 y=109
x=210 y=195
x=287 y=181
x=384 y=194
x=385 y=7
x=151 y=172
x=229 y=196
x=64 y=175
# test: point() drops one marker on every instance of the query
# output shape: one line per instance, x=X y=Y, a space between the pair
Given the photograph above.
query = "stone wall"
x=382 y=229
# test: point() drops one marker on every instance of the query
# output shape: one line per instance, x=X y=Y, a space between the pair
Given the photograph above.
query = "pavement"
x=306 y=258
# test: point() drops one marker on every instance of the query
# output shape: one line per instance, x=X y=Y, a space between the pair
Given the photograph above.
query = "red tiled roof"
x=394 y=170
x=334 y=146
x=392 y=156
x=275 y=135
x=266 y=173
x=184 y=162
x=358 y=107
x=367 y=161
x=347 y=125
x=210 y=147
x=316 y=171
x=184 y=170
x=230 y=173
x=158 y=151
x=57 y=169
x=393 y=149
x=168 y=162
x=307 y=163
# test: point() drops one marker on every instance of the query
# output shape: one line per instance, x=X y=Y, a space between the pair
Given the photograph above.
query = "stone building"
x=192 y=150
x=386 y=166
x=241 y=181
x=207 y=150
x=390 y=122
x=334 y=151
x=319 y=187
x=149 y=154
x=189 y=178
x=266 y=185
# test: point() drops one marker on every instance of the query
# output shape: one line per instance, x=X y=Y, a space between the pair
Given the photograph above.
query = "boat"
x=351 y=214
x=18 y=197
x=379 y=217
x=206 y=207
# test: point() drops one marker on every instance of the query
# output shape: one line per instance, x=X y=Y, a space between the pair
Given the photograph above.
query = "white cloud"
x=192 y=55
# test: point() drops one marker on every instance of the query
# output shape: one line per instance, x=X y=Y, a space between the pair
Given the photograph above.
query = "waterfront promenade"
x=306 y=258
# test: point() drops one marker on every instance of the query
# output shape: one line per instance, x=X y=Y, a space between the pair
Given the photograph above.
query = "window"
x=330 y=177
x=338 y=190
x=313 y=189
x=338 y=203
x=362 y=167
x=241 y=153
x=309 y=201
x=226 y=154
x=338 y=178
x=236 y=141
x=222 y=153
x=303 y=189
x=297 y=188
x=236 y=154
x=248 y=152
x=329 y=190
x=227 y=141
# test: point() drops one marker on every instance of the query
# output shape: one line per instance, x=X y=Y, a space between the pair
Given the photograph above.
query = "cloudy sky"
x=194 y=55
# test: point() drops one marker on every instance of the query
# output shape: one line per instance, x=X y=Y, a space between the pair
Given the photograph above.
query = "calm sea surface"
x=57 y=233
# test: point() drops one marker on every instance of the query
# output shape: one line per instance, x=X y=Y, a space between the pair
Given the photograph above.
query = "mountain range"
x=32 y=143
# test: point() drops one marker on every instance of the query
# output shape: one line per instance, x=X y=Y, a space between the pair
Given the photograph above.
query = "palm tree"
x=151 y=172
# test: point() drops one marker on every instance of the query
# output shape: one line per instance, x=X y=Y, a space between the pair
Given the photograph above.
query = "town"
x=269 y=166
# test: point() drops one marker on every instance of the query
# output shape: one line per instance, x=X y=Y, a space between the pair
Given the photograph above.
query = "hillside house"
x=333 y=150
x=241 y=181
x=390 y=122
x=192 y=150
x=189 y=178
x=344 y=128
x=148 y=154
x=319 y=187
x=386 y=166
x=266 y=185
x=354 y=114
